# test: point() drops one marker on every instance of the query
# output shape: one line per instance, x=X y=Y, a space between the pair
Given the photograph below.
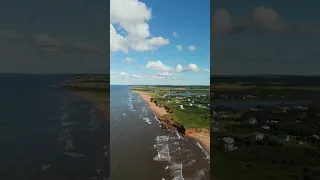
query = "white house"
x=252 y=120
x=181 y=107
x=266 y=127
x=259 y=136
x=315 y=137
x=228 y=140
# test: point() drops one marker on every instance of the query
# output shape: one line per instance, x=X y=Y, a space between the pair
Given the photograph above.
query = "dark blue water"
x=47 y=133
x=142 y=150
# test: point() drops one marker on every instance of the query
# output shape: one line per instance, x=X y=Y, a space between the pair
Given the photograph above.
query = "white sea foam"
x=147 y=120
x=75 y=155
x=64 y=123
x=190 y=163
x=105 y=154
x=45 y=166
x=207 y=156
x=69 y=146
x=163 y=148
x=176 y=171
x=200 y=174
x=64 y=116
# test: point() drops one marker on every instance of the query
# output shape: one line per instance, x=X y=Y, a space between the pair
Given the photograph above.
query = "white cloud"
x=179 y=68
x=164 y=75
x=46 y=40
x=125 y=75
x=159 y=66
x=113 y=72
x=175 y=34
x=263 y=20
x=191 y=48
x=206 y=70
x=222 y=22
x=132 y=16
x=179 y=47
x=194 y=68
x=128 y=60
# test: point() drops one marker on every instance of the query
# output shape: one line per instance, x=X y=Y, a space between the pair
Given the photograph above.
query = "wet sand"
x=202 y=138
x=100 y=101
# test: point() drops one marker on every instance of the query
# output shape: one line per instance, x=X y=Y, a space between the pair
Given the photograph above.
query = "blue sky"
x=151 y=55
x=265 y=37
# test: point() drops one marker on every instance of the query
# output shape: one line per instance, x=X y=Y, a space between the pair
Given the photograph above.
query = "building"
x=266 y=127
x=259 y=136
x=252 y=121
x=284 y=138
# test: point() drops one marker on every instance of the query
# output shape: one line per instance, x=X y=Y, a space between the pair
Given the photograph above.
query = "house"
x=230 y=147
x=181 y=107
x=315 y=137
x=266 y=127
x=229 y=143
x=284 y=138
x=259 y=136
x=252 y=121
x=191 y=104
x=228 y=140
x=274 y=121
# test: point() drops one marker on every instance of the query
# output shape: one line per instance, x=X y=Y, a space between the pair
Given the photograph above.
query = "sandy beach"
x=102 y=103
x=157 y=110
x=202 y=138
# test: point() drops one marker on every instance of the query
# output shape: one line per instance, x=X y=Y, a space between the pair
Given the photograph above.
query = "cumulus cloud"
x=132 y=16
x=125 y=75
x=9 y=35
x=52 y=46
x=175 y=34
x=128 y=60
x=191 y=48
x=194 y=68
x=179 y=68
x=163 y=75
x=263 y=20
x=159 y=66
x=179 y=47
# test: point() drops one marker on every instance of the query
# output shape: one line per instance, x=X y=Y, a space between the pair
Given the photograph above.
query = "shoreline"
x=100 y=103
x=202 y=138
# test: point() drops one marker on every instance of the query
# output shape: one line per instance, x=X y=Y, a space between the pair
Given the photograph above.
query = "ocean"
x=141 y=149
x=47 y=133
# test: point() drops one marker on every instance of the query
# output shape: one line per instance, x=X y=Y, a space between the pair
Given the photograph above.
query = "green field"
x=191 y=116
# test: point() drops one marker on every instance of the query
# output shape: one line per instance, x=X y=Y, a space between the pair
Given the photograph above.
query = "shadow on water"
x=49 y=134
